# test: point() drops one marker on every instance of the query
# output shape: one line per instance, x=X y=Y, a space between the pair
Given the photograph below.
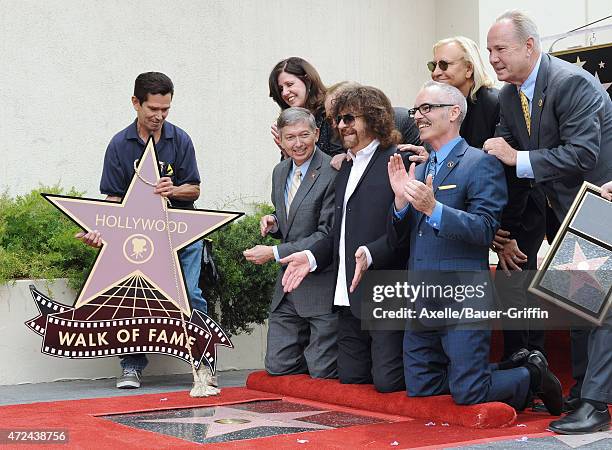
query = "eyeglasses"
x=431 y=65
x=348 y=119
x=291 y=139
x=426 y=107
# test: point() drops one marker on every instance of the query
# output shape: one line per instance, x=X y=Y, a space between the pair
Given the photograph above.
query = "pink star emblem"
x=141 y=234
x=582 y=270
x=228 y=420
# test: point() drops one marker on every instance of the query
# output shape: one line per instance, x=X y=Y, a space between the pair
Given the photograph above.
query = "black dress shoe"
x=585 y=419
x=549 y=389
x=519 y=358
x=571 y=404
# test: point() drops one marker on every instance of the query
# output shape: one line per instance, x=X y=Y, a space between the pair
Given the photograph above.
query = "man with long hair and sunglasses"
x=457 y=62
x=405 y=125
x=358 y=240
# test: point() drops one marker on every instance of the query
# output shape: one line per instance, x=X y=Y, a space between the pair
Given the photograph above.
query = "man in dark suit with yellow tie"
x=555 y=130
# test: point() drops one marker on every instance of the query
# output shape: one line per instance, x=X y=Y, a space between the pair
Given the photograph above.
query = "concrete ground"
x=77 y=389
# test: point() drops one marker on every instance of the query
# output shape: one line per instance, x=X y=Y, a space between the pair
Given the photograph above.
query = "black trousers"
x=369 y=357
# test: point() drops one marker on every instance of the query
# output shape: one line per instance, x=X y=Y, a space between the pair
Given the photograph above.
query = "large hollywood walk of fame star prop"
x=134 y=299
x=576 y=273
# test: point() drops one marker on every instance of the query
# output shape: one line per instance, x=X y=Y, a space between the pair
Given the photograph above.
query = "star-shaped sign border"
x=141 y=233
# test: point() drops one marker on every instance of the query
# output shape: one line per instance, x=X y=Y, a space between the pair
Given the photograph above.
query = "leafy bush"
x=243 y=293
x=37 y=240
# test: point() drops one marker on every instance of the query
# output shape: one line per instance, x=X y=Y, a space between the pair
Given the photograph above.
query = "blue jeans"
x=191 y=258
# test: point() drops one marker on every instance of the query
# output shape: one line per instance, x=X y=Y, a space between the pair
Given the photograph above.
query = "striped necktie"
x=525 y=108
x=295 y=184
x=431 y=165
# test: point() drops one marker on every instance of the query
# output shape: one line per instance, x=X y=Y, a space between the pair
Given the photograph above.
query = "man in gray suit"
x=555 y=130
x=302 y=328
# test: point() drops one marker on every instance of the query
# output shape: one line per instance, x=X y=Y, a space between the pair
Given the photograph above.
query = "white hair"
x=524 y=26
x=471 y=55
x=451 y=95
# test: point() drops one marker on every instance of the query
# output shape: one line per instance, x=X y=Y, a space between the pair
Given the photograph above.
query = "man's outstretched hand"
x=298 y=268
x=361 y=265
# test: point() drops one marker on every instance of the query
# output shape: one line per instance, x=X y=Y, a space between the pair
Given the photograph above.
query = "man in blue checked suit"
x=449 y=210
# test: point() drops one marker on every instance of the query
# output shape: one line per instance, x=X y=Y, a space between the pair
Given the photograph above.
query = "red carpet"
x=414 y=423
x=437 y=409
x=90 y=432
x=365 y=397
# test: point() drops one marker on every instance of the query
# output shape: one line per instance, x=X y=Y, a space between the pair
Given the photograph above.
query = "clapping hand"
x=399 y=178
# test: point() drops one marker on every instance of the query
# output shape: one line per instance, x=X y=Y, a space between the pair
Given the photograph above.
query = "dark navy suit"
x=472 y=189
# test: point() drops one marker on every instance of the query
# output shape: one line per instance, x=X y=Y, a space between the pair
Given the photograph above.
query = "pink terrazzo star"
x=253 y=420
x=582 y=270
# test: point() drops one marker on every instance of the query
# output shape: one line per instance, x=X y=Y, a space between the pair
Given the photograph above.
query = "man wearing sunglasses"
x=448 y=211
x=405 y=125
x=457 y=62
x=358 y=240
x=555 y=131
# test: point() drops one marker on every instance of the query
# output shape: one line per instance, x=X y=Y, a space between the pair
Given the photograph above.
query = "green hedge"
x=37 y=242
x=244 y=291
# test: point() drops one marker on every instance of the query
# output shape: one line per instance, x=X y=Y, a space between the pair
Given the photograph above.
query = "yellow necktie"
x=525 y=107
x=295 y=184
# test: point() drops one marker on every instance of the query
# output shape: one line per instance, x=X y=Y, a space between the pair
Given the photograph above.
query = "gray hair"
x=524 y=26
x=293 y=115
x=451 y=95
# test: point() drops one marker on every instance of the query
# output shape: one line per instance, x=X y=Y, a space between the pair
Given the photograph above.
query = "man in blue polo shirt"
x=179 y=182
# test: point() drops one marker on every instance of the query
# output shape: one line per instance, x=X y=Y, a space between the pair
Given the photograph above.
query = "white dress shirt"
x=360 y=162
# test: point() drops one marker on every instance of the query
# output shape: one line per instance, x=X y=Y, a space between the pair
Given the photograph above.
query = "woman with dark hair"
x=295 y=82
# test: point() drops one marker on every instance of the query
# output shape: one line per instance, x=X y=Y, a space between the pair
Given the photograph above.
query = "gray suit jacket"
x=310 y=220
x=571 y=131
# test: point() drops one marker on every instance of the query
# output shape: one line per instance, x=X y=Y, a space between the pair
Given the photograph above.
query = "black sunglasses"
x=426 y=107
x=431 y=65
x=347 y=118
